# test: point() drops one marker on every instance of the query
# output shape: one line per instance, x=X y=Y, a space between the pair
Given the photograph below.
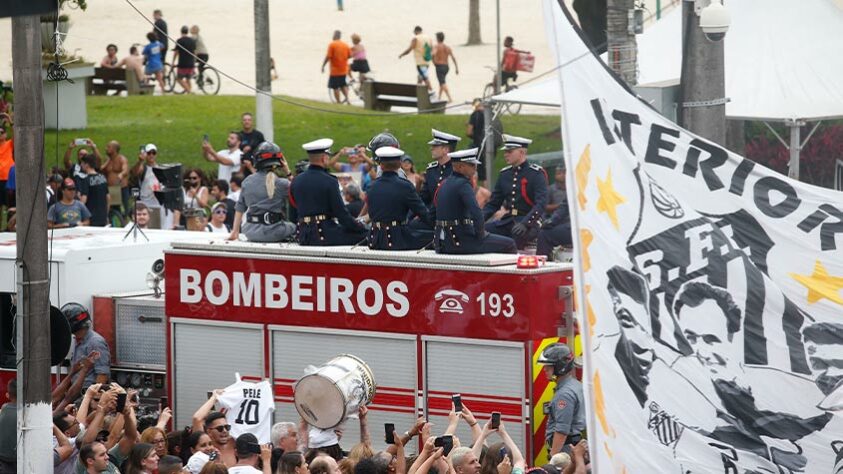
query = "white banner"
x=713 y=315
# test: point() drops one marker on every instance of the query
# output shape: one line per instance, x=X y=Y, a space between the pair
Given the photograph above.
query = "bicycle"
x=353 y=86
x=489 y=92
x=207 y=80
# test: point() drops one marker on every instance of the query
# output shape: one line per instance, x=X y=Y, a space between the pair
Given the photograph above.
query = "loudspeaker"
x=168 y=175
x=170 y=198
x=59 y=336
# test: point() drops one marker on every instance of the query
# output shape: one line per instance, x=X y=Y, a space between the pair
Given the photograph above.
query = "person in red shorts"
x=338 y=54
x=184 y=53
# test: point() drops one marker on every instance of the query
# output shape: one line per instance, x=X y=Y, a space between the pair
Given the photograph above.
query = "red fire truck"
x=105 y=271
x=428 y=325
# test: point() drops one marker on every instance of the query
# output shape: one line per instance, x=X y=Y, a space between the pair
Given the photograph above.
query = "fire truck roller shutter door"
x=488 y=375
x=206 y=357
x=392 y=358
x=140 y=331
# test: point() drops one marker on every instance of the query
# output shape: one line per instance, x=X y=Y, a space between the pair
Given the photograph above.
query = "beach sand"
x=300 y=31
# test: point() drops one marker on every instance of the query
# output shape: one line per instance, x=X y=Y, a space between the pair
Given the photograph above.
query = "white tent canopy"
x=784 y=60
x=544 y=92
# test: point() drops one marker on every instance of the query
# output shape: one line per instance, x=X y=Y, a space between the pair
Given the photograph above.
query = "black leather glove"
x=519 y=229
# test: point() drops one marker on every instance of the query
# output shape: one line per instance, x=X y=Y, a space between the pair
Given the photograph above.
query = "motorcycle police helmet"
x=559 y=356
x=381 y=140
x=267 y=155
x=77 y=316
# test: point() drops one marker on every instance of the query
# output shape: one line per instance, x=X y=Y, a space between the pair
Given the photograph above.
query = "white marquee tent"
x=784 y=62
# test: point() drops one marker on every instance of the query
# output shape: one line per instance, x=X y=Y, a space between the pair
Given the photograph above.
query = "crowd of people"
x=371 y=194
x=147 y=61
x=100 y=427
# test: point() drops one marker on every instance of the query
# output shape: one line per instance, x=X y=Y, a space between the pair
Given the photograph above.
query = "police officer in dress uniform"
x=566 y=411
x=436 y=172
x=459 y=220
x=390 y=200
x=522 y=190
x=555 y=231
x=263 y=199
x=322 y=216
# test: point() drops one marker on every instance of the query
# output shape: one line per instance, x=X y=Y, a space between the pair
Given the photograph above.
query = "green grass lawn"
x=176 y=125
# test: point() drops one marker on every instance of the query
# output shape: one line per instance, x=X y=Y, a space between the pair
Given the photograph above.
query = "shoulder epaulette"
x=536 y=167
x=506 y=168
x=433 y=164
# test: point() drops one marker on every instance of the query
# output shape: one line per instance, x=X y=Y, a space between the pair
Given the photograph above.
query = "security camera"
x=714 y=21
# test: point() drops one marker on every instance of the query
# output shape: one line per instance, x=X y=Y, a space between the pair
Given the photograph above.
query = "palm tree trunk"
x=474 y=22
x=622 y=47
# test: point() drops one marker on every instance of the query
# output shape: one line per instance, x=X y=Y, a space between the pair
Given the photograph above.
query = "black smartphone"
x=206 y=138
x=105 y=387
x=503 y=453
x=496 y=420
x=121 y=402
x=210 y=394
x=447 y=444
x=389 y=432
x=457 y=399
x=165 y=402
x=212 y=456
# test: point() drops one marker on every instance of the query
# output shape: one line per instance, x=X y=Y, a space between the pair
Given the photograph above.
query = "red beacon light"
x=531 y=261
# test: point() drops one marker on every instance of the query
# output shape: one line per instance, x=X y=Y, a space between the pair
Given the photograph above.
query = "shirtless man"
x=116 y=171
x=133 y=62
x=214 y=424
x=441 y=54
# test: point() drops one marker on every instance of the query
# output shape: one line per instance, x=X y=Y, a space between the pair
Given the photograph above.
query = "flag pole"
x=579 y=277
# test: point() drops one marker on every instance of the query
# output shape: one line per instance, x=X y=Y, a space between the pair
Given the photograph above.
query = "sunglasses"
x=222 y=428
x=220 y=211
x=152 y=152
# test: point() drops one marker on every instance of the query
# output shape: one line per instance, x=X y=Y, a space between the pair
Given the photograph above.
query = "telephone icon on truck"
x=452 y=301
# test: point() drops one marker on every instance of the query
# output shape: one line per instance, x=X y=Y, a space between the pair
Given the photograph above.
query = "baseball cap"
x=68 y=183
x=150 y=147
x=247 y=443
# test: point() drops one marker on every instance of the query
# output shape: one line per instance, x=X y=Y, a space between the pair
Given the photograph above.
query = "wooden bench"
x=385 y=95
x=105 y=80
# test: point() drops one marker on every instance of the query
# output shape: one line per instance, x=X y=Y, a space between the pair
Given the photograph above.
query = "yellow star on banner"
x=609 y=199
x=821 y=285
x=586 y=237
x=582 y=170
x=590 y=317
x=600 y=406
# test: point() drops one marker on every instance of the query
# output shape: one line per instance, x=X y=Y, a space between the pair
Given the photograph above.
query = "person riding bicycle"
x=509 y=63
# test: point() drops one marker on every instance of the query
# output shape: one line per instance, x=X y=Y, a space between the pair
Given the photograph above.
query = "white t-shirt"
x=234 y=195
x=250 y=407
x=225 y=171
x=243 y=470
x=217 y=230
x=149 y=184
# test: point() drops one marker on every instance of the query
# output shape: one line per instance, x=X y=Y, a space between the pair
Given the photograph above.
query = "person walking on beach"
x=338 y=54
x=154 y=63
x=359 y=63
x=422 y=50
x=441 y=53
x=161 y=32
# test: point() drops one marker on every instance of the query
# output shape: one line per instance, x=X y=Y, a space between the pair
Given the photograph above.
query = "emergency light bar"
x=531 y=261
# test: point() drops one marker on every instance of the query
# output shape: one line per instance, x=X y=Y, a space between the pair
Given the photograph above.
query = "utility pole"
x=620 y=38
x=34 y=444
x=263 y=77
x=702 y=108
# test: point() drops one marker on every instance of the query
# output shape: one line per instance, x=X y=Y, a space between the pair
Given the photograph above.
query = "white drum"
x=329 y=394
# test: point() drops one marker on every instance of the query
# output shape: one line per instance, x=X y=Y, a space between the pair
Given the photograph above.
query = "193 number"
x=494 y=305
